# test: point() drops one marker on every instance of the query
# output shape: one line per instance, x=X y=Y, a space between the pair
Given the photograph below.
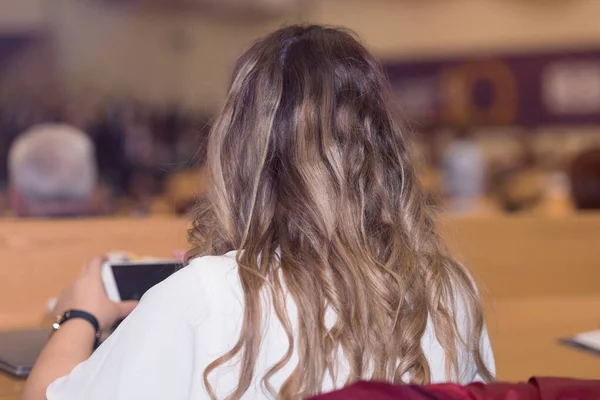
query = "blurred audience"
x=53 y=172
x=137 y=148
x=146 y=154
x=519 y=185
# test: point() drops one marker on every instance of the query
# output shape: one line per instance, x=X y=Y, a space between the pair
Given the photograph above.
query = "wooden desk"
x=540 y=277
x=10 y=388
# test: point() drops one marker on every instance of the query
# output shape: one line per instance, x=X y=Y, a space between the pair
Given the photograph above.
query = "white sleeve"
x=469 y=371
x=149 y=356
x=487 y=356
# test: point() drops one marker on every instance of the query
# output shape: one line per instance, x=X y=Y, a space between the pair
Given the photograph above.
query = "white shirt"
x=184 y=323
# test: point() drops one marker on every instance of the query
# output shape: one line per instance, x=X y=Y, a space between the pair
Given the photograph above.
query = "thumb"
x=126 y=307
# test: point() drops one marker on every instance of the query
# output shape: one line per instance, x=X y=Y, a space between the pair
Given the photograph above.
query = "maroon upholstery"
x=535 y=389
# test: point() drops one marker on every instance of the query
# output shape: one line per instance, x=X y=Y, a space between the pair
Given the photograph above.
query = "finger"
x=85 y=268
x=94 y=267
x=51 y=304
x=126 y=307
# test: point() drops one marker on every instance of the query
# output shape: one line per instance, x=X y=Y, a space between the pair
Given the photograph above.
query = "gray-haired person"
x=53 y=172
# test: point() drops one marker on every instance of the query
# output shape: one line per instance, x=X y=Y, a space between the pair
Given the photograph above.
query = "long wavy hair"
x=311 y=176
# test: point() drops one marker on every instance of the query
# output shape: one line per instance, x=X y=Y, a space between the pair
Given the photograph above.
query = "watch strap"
x=74 y=314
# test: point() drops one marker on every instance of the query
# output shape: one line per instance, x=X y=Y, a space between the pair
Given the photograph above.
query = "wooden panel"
x=528 y=256
x=509 y=256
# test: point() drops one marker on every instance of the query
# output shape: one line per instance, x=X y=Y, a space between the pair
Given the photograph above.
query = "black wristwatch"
x=72 y=314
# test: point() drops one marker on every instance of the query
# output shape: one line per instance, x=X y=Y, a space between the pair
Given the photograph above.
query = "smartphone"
x=130 y=280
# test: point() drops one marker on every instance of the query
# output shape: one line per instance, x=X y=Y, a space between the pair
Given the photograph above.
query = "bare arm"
x=74 y=341
x=68 y=347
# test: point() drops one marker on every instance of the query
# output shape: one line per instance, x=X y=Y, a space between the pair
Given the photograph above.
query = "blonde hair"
x=312 y=178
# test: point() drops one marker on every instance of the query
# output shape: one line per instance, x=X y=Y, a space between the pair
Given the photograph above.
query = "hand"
x=86 y=293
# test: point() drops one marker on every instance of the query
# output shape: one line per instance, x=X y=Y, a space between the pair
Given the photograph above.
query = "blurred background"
x=503 y=96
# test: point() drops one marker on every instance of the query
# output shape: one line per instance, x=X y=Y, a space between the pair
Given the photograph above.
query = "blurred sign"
x=572 y=88
x=561 y=88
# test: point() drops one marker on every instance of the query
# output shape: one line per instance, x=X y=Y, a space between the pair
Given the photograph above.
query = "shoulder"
x=201 y=271
x=197 y=287
x=211 y=267
x=212 y=274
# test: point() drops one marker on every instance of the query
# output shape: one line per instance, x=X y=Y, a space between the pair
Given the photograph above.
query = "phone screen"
x=134 y=280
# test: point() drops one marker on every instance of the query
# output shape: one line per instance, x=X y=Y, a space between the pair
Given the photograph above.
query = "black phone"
x=130 y=280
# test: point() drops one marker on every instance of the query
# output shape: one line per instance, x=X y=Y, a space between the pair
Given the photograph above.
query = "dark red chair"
x=535 y=389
